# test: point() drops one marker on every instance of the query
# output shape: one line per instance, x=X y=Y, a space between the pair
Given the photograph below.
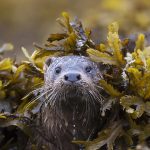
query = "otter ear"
x=102 y=67
x=48 y=62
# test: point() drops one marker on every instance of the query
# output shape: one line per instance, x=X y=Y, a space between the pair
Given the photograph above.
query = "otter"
x=72 y=103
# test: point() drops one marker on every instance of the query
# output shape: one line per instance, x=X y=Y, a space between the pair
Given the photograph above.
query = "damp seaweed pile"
x=126 y=65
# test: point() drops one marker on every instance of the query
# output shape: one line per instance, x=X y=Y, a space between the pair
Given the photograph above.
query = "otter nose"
x=72 y=77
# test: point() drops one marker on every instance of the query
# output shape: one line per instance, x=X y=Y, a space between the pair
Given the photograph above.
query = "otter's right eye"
x=57 y=70
x=88 y=68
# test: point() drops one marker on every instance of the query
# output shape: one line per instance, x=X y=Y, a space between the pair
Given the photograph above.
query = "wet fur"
x=69 y=112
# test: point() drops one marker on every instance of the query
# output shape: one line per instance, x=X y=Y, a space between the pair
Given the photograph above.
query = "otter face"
x=72 y=76
x=71 y=70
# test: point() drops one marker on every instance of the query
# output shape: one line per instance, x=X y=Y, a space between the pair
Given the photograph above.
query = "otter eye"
x=57 y=70
x=88 y=68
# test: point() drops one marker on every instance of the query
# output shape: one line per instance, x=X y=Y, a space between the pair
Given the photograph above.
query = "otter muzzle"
x=72 y=77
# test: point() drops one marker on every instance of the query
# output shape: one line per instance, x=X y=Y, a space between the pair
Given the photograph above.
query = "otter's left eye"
x=57 y=70
x=88 y=68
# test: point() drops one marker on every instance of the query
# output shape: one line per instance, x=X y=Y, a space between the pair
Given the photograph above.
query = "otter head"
x=72 y=79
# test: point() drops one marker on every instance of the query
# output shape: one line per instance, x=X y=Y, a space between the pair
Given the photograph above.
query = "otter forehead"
x=72 y=62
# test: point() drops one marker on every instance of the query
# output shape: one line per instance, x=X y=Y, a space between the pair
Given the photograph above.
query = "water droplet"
x=66 y=123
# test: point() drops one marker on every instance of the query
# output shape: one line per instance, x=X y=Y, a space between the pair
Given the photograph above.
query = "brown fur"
x=70 y=111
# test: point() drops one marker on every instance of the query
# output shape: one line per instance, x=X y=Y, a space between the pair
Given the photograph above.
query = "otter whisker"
x=35 y=99
x=37 y=85
x=90 y=102
x=96 y=94
x=55 y=96
x=51 y=99
x=33 y=92
x=100 y=97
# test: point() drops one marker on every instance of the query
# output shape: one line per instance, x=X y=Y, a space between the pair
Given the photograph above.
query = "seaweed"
x=126 y=81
